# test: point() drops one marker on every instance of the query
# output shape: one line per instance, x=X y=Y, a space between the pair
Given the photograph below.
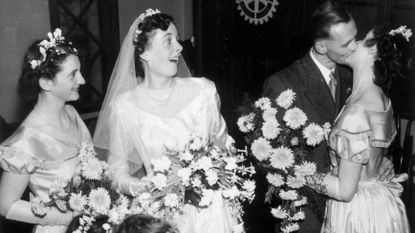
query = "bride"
x=148 y=106
x=359 y=139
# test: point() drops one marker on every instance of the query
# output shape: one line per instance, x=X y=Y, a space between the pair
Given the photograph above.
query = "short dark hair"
x=392 y=58
x=96 y=226
x=146 y=27
x=326 y=15
x=28 y=85
x=142 y=223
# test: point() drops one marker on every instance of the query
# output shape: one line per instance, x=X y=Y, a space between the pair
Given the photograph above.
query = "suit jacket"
x=312 y=96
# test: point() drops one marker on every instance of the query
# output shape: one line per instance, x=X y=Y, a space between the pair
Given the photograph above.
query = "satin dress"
x=362 y=135
x=142 y=125
x=46 y=154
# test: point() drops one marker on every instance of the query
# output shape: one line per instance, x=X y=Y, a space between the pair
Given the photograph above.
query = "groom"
x=321 y=83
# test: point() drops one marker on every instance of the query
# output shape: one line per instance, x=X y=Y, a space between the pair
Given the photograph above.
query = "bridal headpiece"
x=50 y=46
x=402 y=30
x=141 y=17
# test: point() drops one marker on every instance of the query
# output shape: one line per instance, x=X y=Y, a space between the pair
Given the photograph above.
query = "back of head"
x=392 y=56
x=86 y=224
x=43 y=59
x=142 y=223
x=329 y=13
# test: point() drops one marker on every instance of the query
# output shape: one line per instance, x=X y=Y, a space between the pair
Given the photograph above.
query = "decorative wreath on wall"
x=257 y=11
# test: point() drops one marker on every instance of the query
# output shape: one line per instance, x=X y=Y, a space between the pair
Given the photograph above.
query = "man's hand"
x=386 y=171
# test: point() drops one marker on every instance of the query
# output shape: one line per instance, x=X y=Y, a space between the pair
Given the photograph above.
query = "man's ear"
x=45 y=84
x=320 y=47
x=144 y=56
x=373 y=50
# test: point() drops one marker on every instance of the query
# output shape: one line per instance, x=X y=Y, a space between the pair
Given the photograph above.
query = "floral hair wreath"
x=403 y=31
x=147 y=13
x=50 y=44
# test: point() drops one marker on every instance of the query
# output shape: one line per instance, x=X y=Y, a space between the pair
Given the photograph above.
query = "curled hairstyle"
x=324 y=17
x=142 y=223
x=146 y=27
x=96 y=226
x=392 y=58
x=28 y=86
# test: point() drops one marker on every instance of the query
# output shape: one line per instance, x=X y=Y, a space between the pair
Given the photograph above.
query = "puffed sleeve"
x=350 y=139
x=216 y=123
x=19 y=162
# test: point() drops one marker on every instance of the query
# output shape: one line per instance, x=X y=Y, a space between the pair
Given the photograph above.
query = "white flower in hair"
x=405 y=32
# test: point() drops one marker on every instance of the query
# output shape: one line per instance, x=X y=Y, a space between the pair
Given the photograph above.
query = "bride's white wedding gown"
x=143 y=121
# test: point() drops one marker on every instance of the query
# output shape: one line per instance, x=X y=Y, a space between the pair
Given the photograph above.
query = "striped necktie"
x=332 y=85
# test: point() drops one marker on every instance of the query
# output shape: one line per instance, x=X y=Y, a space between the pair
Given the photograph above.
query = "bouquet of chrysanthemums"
x=280 y=138
x=91 y=192
x=202 y=169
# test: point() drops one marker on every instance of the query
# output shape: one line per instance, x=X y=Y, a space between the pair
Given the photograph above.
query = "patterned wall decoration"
x=257 y=11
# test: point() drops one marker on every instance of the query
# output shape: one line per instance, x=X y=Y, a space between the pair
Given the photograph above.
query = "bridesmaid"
x=44 y=147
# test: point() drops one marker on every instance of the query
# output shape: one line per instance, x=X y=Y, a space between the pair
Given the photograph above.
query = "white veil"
x=123 y=79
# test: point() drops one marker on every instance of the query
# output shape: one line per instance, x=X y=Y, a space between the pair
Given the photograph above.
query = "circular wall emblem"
x=257 y=11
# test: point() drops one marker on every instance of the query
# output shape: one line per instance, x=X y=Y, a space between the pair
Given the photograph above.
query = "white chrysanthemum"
x=207 y=197
x=261 y=148
x=281 y=158
x=184 y=174
x=144 y=199
x=298 y=216
x=231 y=193
x=249 y=186
x=295 y=118
x=263 y=103
x=291 y=227
x=196 y=182
x=196 y=143
x=77 y=202
x=279 y=213
x=269 y=114
x=288 y=195
x=275 y=179
x=171 y=200
x=92 y=169
x=238 y=228
x=186 y=156
x=99 y=200
x=270 y=129
x=161 y=164
x=286 y=99
x=326 y=130
x=211 y=177
x=295 y=182
x=159 y=181
x=231 y=163
x=314 y=134
x=301 y=202
x=204 y=163
x=245 y=123
x=305 y=169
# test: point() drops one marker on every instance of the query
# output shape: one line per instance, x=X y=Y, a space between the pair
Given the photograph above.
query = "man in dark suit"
x=321 y=83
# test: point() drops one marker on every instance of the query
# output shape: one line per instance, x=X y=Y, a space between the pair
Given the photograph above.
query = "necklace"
x=160 y=97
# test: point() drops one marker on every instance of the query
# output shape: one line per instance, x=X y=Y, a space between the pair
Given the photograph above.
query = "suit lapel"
x=317 y=91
